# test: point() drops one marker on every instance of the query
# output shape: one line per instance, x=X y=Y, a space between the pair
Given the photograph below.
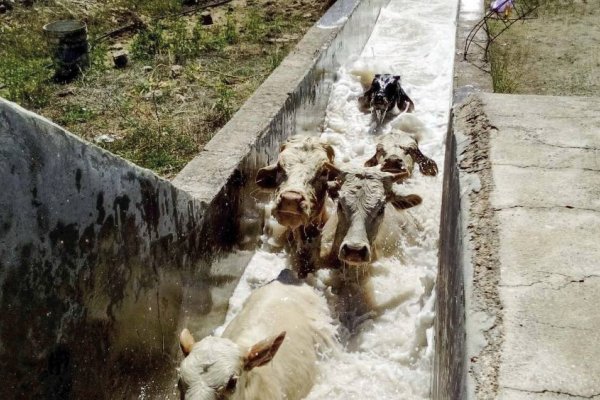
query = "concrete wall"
x=95 y=254
x=451 y=363
x=101 y=262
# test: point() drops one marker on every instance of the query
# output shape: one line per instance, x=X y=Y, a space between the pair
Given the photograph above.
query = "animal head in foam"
x=385 y=93
x=362 y=199
x=300 y=177
x=213 y=366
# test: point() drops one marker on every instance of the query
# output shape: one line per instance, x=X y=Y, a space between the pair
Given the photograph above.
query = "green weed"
x=224 y=105
x=75 y=114
x=148 y=43
x=254 y=25
x=275 y=58
x=25 y=81
x=163 y=150
x=230 y=32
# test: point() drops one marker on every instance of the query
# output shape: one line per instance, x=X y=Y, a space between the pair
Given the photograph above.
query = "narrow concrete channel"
x=136 y=258
x=389 y=356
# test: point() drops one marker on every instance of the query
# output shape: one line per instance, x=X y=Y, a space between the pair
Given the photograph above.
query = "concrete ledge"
x=471 y=75
x=530 y=186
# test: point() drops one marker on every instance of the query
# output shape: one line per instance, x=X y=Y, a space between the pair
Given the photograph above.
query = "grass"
x=501 y=59
x=184 y=80
x=553 y=54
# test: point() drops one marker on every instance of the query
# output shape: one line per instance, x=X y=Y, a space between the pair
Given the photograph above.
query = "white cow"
x=363 y=196
x=286 y=325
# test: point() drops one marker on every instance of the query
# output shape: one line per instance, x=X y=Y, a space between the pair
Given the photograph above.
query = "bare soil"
x=558 y=53
x=175 y=93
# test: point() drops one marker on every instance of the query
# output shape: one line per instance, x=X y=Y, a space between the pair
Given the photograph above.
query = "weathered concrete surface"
x=450 y=363
x=96 y=256
x=471 y=75
x=530 y=185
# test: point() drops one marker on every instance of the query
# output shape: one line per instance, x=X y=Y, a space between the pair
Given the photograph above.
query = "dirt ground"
x=558 y=53
x=183 y=81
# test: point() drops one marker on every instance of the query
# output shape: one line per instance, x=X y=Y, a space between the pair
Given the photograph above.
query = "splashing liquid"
x=388 y=354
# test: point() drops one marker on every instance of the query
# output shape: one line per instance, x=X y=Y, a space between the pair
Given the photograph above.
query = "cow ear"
x=377 y=76
x=371 y=162
x=396 y=78
x=186 y=341
x=333 y=172
x=266 y=177
x=390 y=179
x=379 y=152
x=333 y=188
x=330 y=152
x=263 y=352
x=404 y=202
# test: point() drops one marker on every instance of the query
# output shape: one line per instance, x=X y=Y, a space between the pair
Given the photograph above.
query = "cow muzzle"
x=292 y=209
x=355 y=253
x=380 y=102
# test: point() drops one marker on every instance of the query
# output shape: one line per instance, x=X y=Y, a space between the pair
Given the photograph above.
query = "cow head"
x=215 y=368
x=385 y=91
x=392 y=158
x=303 y=168
x=362 y=199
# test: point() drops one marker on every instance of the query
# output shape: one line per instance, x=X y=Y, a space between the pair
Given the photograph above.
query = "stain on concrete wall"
x=95 y=256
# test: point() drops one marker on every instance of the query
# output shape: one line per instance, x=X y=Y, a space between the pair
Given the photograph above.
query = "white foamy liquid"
x=390 y=357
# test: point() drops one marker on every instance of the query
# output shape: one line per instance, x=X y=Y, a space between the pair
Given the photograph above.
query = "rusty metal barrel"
x=69 y=47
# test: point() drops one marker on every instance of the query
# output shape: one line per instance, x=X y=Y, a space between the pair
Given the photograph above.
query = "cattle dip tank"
x=104 y=264
x=387 y=311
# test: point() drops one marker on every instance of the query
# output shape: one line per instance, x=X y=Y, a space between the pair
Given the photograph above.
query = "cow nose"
x=355 y=252
x=291 y=202
x=393 y=164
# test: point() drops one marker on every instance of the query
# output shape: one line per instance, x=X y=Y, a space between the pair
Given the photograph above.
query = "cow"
x=398 y=151
x=362 y=197
x=300 y=176
x=384 y=94
x=285 y=324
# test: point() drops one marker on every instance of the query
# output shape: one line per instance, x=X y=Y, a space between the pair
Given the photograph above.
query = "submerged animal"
x=398 y=151
x=383 y=95
x=284 y=326
x=362 y=197
x=300 y=179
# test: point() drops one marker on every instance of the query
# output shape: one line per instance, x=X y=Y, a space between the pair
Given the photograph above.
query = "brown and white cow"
x=300 y=177
x=364 y=196
x=398 y=151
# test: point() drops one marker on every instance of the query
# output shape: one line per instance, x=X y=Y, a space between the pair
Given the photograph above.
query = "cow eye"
x=381 y=210
x=231 y=384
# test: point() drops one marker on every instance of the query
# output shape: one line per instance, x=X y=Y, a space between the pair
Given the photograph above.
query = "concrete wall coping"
x=208 y=172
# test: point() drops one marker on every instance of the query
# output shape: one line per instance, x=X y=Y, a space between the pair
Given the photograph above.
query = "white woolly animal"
x=286 y=325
